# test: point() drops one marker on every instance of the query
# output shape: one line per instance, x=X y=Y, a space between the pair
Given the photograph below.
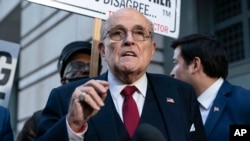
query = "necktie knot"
x=128 y=90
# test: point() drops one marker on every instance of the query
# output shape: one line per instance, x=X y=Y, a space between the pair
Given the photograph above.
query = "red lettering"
x=110 y=13
x=161 y=28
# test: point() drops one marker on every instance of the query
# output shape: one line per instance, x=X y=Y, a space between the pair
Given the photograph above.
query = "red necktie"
x=129 y=110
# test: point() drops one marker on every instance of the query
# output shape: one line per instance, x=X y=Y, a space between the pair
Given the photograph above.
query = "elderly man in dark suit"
x=111 y=107
x=6 y=133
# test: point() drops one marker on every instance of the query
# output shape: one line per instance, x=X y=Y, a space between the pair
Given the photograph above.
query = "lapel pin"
x=216 y=109
x=170 y=100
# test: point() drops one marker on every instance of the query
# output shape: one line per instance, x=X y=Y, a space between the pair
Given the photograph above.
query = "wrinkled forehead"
x=128 y=17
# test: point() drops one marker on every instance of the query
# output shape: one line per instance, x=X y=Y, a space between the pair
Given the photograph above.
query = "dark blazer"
x=231 y=106
x=173 y=118
x=6 y=133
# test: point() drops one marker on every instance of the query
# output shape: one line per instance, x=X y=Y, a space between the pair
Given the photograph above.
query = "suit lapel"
x=170 y=110
x=104 y=121
x=217 y=107
x=150 y=114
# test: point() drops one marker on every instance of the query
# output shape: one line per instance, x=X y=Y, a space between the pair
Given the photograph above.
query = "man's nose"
x=172 y=74
x=129 y=40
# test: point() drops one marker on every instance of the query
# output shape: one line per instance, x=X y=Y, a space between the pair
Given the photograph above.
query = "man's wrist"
x=83 y=128
x=76 y=126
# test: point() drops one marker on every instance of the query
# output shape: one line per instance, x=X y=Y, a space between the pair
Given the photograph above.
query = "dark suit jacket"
x=6 y=133
x=173 y=119
x=231 y=106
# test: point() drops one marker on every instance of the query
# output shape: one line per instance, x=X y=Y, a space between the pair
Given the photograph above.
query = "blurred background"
x=43 y=31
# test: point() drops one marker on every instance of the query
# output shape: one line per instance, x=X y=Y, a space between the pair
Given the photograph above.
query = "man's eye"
x=117 y=32
x=139 y=32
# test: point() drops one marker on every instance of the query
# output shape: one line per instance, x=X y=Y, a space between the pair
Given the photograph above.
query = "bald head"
x=126 y=14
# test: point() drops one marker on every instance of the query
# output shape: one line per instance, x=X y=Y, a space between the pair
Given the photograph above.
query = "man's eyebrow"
x=141 y=27
x=135 y=26
x=117 y=26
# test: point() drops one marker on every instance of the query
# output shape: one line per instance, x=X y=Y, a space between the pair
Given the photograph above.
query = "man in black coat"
x=73 y=64
x=93 y=109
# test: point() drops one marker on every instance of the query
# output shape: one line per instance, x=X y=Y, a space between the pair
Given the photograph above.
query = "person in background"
x=73 y=64
x=201 y=61
x=6 y=133
x=111 y=106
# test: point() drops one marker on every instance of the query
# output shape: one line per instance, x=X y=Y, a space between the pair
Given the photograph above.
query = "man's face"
x=180 y=70
x=128 y=55
x=78 y=67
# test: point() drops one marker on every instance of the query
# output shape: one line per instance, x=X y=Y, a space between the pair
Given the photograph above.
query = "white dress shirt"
x=206 y=99
x=115 y=88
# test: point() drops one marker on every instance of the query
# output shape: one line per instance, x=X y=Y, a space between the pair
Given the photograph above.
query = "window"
x=231 y=26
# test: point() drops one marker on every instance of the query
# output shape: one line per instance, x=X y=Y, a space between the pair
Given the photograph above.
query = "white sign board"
x=8 y=60
x=165 y=14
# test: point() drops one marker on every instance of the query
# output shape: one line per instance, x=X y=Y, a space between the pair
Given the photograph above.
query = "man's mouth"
x=129 y=53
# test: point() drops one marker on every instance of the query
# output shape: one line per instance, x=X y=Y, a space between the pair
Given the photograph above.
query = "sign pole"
x=94 y=51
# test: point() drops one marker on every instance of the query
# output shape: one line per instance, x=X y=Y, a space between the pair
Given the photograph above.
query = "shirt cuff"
x=73 y=136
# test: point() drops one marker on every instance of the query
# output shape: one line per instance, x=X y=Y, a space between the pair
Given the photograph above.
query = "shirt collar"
x=207 y=97
x=116 y=85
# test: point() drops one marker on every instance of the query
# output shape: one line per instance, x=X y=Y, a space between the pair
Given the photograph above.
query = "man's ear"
x=196 y=64
x=101 y=49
